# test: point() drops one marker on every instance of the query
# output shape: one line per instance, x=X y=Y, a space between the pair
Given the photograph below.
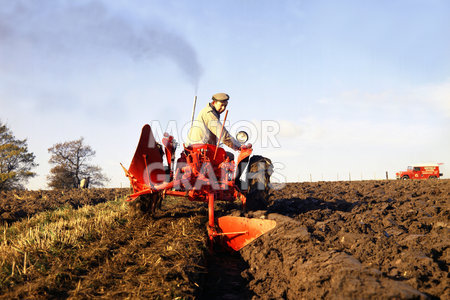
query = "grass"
x=29 y=247
x=104 y=251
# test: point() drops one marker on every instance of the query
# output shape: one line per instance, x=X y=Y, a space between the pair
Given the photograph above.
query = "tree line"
x=70 y=161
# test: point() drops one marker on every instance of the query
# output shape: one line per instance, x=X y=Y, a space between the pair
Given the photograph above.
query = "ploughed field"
x=361 y=239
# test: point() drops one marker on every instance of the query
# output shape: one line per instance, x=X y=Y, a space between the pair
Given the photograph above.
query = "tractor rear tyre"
x=146 y=204
x=258 y=180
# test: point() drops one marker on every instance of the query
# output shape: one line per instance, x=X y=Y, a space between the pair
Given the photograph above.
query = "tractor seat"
x=209 y=151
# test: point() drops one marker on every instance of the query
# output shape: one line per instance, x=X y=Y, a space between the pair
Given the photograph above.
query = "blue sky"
x=359 y=87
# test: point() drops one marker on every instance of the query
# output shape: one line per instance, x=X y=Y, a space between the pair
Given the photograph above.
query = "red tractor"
x=204 y=173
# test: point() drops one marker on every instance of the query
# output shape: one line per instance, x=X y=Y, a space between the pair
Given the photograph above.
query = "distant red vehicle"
x=428 y=171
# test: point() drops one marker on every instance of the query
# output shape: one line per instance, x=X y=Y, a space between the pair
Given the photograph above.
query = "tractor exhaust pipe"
x=193 y=110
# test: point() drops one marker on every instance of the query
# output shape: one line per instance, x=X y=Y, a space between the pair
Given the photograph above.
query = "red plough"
x=204 y=173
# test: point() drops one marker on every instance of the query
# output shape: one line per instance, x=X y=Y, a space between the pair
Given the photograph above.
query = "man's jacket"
x=206 y=129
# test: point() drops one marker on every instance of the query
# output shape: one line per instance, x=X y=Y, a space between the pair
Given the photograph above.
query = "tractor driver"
x=206 y=130
x=207 y=126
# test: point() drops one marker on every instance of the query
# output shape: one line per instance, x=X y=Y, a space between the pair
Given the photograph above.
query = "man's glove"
x=247 y=146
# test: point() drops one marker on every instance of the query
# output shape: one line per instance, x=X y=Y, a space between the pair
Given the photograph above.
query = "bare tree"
x=71 y=165
x=15 y=160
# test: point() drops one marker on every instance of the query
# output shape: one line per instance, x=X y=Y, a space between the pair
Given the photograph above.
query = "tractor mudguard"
x=244 y=153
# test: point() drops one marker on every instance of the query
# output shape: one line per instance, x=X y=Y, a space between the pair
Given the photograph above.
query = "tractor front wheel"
x=258 y=180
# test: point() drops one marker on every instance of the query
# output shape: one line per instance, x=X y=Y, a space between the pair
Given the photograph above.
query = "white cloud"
x=290 y=129
x=428 y=98
x=438 y=95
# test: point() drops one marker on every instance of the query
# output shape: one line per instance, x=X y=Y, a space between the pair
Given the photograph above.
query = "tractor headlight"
x=242 y=137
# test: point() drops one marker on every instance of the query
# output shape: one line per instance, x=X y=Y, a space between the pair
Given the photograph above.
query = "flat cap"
x=220 y=97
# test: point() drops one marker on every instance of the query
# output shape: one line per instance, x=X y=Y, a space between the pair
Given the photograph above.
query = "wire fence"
x=345 y=176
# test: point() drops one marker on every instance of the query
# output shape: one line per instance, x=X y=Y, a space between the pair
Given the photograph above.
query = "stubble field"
x=361 y=239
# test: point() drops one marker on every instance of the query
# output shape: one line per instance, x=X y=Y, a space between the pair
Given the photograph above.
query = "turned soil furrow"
x=371 y=239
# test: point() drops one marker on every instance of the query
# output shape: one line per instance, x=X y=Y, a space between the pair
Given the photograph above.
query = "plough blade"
x=146 y=168
x=238 y=232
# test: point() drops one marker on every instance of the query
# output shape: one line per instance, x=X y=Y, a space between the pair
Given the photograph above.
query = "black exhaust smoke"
x=60 y=29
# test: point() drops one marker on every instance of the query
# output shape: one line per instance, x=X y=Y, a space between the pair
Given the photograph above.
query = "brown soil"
x=372 y=239
x=364 y=240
